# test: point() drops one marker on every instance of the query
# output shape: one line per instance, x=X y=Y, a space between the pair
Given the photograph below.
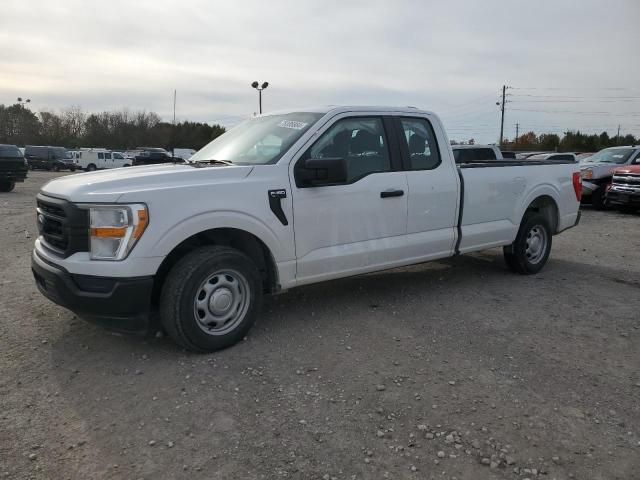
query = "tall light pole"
x=259 y=87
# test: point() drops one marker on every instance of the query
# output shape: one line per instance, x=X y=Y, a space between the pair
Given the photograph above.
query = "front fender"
x=219 y=219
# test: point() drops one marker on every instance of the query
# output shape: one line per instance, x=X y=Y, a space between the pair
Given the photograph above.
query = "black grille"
x=62 y=225
x=51 y=209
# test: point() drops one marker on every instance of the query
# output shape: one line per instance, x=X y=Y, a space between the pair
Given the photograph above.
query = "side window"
x=117 y=156
x=421 y=143
x=107 y=156
x=100 y=156
x=360 y=141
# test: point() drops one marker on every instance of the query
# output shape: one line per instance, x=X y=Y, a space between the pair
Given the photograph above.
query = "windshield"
x=259 y=140
x=610 y=155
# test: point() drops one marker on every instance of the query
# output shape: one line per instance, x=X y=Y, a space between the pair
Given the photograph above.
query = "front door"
x=359 y=225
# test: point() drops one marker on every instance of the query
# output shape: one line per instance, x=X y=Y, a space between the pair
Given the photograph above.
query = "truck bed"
x=494 y=198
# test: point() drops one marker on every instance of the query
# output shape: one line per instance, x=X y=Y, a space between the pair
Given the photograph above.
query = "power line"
x=563 y=96
x=578 y=88
x=579 y=112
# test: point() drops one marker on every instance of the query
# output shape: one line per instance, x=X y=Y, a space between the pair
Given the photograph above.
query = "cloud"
x=451 y=57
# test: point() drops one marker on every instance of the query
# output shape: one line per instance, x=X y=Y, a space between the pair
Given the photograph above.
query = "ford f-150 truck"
x=284 y=200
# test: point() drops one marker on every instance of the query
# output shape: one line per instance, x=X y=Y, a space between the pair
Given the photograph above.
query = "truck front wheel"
x=211 y=298
x=530 y=251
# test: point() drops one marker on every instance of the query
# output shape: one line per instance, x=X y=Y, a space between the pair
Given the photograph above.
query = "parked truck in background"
x=470 y=153
x=284 y=200
x=13 y=167
x=624 y=192
x=597 y=172
x=153 y=156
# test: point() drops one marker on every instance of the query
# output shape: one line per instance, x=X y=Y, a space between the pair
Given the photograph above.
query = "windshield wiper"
x=212 y=161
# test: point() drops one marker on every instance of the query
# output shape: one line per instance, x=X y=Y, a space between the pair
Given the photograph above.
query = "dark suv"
x=150 y=156
x=48 y=158
x=13 y=167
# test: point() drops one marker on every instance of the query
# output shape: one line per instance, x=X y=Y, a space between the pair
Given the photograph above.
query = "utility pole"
x=504 y=91
x=517 y=130
x=174 y=107
x=173 y=128
x=618 y=136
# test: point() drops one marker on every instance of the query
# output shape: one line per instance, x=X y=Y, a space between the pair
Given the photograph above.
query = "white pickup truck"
x=284 y=200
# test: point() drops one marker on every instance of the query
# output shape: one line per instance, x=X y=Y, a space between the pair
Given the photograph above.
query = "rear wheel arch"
x=547 y=207
x=241 y=240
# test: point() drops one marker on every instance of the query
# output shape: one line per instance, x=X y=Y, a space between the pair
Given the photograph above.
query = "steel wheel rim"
x=221 y=302
x=536 y=244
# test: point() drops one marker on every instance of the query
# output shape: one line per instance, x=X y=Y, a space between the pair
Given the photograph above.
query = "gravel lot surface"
x=454 y=369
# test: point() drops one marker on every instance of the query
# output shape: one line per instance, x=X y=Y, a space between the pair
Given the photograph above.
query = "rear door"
x=359 y=225
x=433 y=189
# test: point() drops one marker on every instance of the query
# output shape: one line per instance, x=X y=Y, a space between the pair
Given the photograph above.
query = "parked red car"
x=624 y=192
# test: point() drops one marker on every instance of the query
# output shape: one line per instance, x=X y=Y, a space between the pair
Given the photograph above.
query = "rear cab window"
x=420 y=142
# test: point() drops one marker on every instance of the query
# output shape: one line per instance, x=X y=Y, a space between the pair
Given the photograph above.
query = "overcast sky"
x=451 y=57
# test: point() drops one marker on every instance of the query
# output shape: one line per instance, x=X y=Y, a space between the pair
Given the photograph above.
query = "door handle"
x=391 y=193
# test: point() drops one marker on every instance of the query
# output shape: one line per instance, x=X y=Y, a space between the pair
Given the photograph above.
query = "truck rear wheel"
x=211 y=299
x=7 y=185
x=91 y=167
x=532 y=246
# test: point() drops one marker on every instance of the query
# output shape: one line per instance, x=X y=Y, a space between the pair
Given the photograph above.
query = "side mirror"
x=315 y=172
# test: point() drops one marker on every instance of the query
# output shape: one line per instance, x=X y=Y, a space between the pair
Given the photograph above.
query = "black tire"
x=186 y=285
x=7 y=185
x=91 y=167
x=518 y=256
x=598 y=199
x=73 y=169
x=126 y=165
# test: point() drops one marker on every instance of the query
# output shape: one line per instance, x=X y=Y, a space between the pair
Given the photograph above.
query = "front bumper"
x=118 y=304
x=615 y=197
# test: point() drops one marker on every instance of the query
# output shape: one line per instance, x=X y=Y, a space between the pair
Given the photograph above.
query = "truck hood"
x=109 y=185
x=628 y=169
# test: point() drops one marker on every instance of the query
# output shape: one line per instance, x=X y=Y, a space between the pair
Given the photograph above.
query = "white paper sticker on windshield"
x=618 y=156
x=292 y=124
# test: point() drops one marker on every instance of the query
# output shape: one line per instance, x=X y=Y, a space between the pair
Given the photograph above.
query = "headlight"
x=587 y=174
x=115 y=229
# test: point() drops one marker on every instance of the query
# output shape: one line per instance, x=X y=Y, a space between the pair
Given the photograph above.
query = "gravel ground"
x=454 y=369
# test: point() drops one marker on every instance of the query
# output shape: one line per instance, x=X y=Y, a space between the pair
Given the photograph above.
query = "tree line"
x=571 y=141
x=74 y=128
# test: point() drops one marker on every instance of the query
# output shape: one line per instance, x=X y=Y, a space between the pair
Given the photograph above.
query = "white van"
x=91 y=159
